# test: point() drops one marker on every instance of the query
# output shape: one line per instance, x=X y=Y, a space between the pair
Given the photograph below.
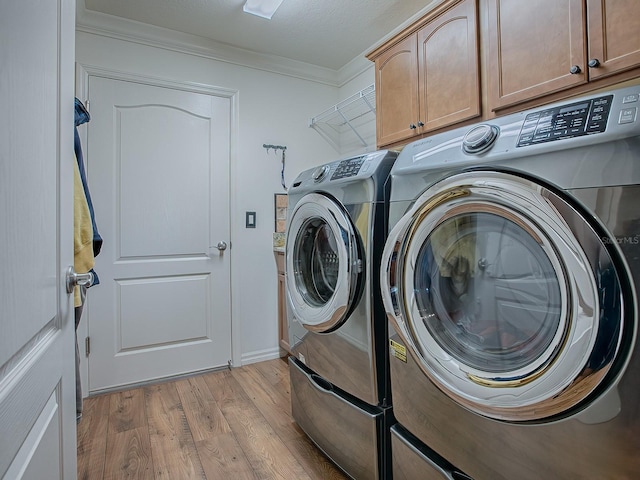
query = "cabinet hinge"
x=87 y=346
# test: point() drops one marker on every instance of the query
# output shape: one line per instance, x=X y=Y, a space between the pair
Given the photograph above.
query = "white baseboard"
x=259 y=356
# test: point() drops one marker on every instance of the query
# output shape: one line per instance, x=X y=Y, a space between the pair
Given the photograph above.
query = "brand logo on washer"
x=426 y=141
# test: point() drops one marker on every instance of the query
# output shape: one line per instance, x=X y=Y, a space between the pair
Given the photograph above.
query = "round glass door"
x=317 y=253
x=323 y=264
x=495 y=284
x=487 y=292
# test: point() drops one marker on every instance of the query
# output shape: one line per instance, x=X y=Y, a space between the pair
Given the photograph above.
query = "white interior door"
x=37 y=386
x=158 y=171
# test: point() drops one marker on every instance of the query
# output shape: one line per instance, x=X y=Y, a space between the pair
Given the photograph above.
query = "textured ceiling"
x=327 y=33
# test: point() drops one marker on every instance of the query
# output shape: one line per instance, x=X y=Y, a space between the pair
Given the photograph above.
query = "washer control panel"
x=566 y=121
x=348 y=168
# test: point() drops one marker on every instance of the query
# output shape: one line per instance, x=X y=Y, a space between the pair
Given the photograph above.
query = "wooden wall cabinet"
x=283 y=326
x=528 y=53
x=546 y=46
x=428 y=77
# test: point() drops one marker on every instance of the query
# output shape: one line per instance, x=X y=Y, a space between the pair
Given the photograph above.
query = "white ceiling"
x=326 y=33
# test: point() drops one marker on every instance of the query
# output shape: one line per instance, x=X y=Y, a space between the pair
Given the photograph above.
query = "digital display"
x=572 y=108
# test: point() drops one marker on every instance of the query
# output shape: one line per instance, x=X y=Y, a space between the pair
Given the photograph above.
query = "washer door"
x=323 y=263
x=506 y=296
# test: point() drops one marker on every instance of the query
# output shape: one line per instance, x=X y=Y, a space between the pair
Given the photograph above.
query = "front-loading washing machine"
x=337 y=223
x=509 y=277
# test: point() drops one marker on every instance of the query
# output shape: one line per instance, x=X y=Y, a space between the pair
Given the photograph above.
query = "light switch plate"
x=250 y=219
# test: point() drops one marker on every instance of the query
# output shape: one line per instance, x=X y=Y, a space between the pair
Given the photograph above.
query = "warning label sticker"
x=397 y=350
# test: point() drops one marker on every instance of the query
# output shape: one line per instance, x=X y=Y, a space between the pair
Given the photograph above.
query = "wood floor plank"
x=226 y=425
x=276 y=372
x=129 y=454
x=223 y=458
x=268 y=455
x=200 y=407
x=92 y=438
x=257 y=381
x=127 y=410
x=172 y=447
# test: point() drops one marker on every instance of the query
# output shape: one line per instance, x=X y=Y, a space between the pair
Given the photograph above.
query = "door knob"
x=594 y=63
x=574 y=70
x=222 y=246
x=81 y=279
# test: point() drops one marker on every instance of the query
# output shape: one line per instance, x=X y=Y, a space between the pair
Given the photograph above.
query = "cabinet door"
x=613 y=36
x=283 y=327
x=449 y=85
x=533 y=46
x=397 y=92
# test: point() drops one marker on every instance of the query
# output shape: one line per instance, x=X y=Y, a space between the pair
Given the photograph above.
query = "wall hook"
x=275 y=148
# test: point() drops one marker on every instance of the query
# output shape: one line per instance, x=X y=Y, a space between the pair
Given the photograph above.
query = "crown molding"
x=105 y=25
x=355 y=67
x=110 y=26
x=360 y=64
x=410 y=22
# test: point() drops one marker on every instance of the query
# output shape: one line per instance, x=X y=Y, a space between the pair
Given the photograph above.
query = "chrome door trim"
x=327 y=317
x=559 y=379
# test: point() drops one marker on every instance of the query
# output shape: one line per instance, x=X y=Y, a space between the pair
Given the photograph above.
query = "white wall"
x=272 y=109
x=357 y=83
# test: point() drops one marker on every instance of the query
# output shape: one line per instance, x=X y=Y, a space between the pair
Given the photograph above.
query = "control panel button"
x=628 y=115
x=631 y=98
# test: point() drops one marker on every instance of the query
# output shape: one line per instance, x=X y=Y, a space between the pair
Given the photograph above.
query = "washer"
x=337 y=326
x=509 y=278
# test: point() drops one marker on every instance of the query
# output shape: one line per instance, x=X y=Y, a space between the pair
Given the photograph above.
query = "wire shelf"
x=346 y=115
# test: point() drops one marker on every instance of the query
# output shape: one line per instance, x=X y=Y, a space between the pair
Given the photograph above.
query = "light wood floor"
x=230 y=425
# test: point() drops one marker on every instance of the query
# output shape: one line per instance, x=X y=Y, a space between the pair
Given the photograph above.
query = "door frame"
x=83 y=72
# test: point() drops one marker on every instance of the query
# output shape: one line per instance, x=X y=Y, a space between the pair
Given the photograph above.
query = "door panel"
x=532 y=47
x=397 y=92
x=158 y=168
x=610 y=38
x=37 y=388
x=448 y=68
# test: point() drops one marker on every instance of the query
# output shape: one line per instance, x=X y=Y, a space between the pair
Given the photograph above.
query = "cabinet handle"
x=420 y=124
x=574 y=70
x=594 y=63
x=413 y=126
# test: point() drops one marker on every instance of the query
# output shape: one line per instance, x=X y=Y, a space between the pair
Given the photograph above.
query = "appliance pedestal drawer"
x=350 y=432
x=410 y=459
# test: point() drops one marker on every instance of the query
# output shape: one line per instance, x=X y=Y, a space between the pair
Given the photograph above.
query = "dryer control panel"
x=566 y=121
x=348 y=168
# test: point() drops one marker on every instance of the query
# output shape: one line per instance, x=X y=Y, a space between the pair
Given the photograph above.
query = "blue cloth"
x=82 y=116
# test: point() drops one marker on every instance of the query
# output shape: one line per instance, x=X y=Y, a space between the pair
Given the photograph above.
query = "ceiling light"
x=262 y=8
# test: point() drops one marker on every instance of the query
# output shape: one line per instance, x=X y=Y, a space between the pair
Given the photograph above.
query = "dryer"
x=337 y=326
x=509 y=278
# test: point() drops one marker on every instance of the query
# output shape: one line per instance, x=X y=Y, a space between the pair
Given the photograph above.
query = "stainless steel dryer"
x=510 y=277
x=338 y=330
